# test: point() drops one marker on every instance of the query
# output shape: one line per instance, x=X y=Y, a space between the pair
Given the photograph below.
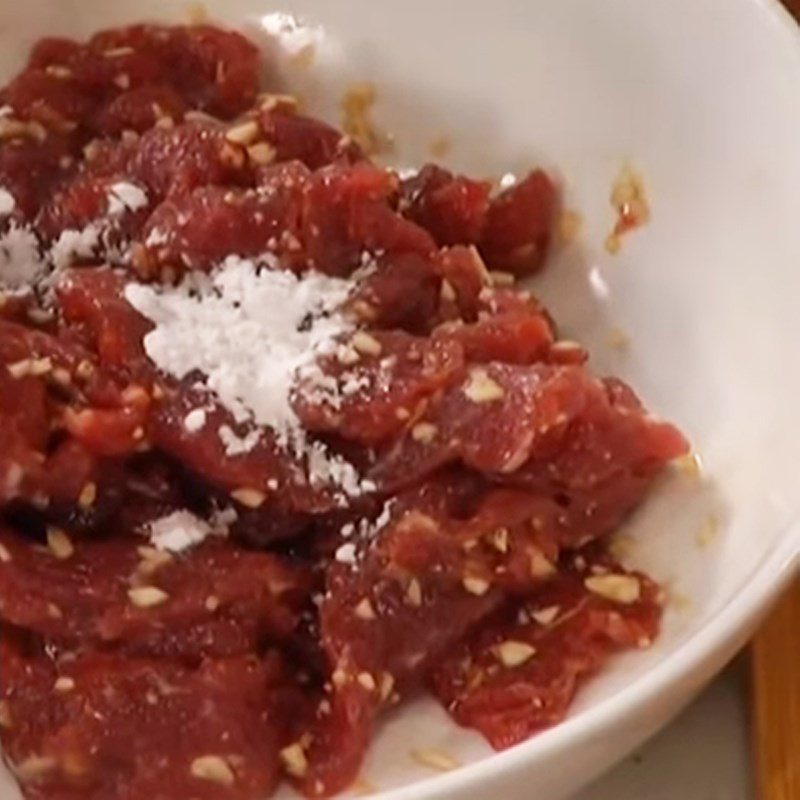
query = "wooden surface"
x=775 y=660
x=775 y=655
x=793 y=6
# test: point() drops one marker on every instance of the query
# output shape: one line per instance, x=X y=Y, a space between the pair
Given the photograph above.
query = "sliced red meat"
x=494 y=421
x=465 y=279
x=347 y=212
x=140 y=109
x=520 y=673
x=223 y=600
x=339 y=738
x=519 y=224
x=94 y=299
x=200 y=229
x=216 y=71
x=403 y=292
x=260 y=470
x=211 y=69
x=452 y=208
x=100 y=726
x=508 y=329
x=374 y=657
x=30 y=171
x=172 y=161
x=52 y=50
x=384 y=379
x=116 y=208
x=406 y=592
x=41 y=374
x=39 y=95
x=538 y=426
x=295 y=137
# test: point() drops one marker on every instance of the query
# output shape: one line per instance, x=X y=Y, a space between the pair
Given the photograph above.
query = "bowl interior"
x=704 y=100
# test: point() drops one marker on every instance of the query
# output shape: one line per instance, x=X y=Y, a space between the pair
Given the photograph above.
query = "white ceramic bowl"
x=703 y=96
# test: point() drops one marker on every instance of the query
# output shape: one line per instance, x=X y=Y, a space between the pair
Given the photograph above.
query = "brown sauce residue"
x=629 y=198
x=357 y=122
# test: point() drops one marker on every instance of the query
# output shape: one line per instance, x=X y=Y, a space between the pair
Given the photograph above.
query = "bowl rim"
x=719 y=639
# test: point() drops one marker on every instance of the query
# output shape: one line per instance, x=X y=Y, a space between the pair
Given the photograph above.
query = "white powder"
x=26 y=264
x=235 y=445
x=364 y=529
x=124 y=196
x=195 y=420
x=324 y=469
x=7 y=202
x=222 y=518
x=352 y=383
x=21 y=264
x=73 y=245
x=346 y=554
x=318 y=387
x=181 y=530
x=406 y=173
x=178 y=531
x=382 y=520
x=156 y=237
x=248 y=330
x=251 y=332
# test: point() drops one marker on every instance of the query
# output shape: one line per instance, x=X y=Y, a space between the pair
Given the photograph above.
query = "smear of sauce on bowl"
x=630 y=201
